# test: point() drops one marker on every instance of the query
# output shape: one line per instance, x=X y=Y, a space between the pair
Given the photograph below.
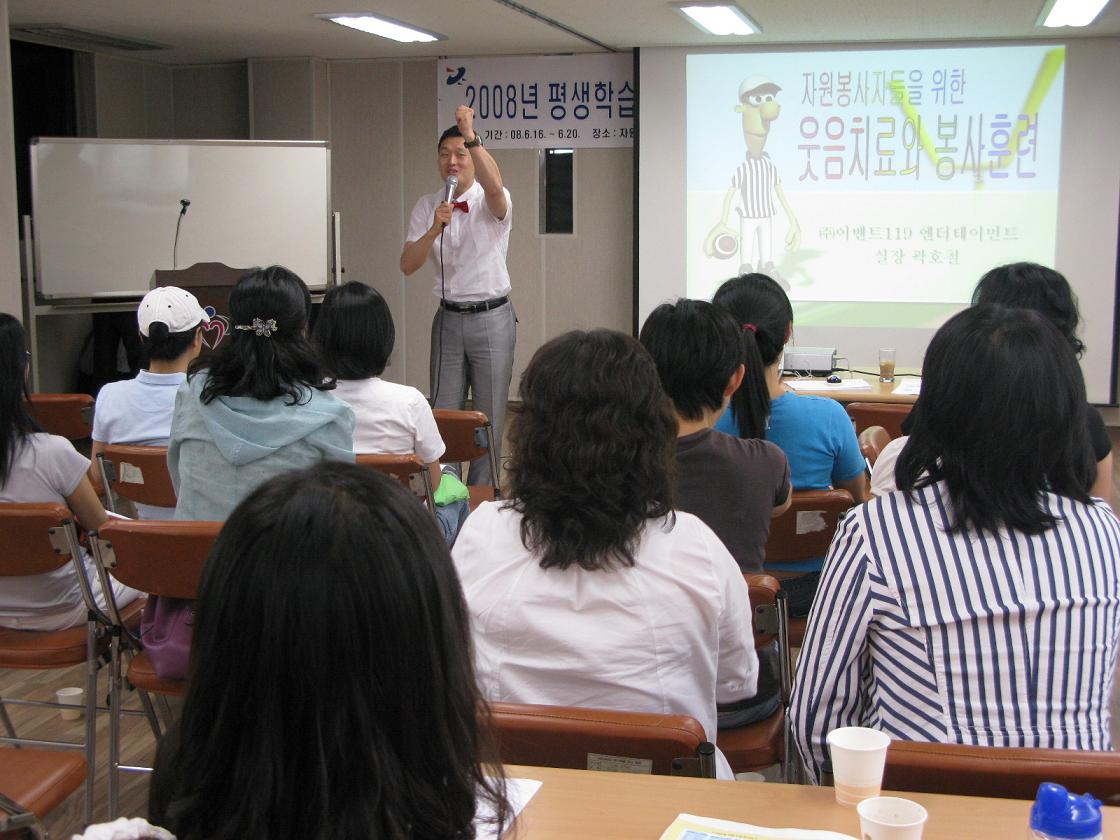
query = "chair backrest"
x=409 y=470
x=139 y=473
x=1003 y=772
x=770 y=623
x=467 y=435
x=872 y=441
x=598 y=739
x=68 y=415
x=160 y=557
x=34 y=537
x=764 y=591
x=805 y=530
x=887 y=415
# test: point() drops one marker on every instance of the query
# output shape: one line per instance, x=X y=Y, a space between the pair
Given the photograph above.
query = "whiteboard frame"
x=332 y=229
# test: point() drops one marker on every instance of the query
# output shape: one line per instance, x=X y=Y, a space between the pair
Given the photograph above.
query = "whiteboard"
x=104 y=211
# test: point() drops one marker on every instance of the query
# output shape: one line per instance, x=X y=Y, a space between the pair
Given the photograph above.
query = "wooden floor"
x=137 y=741
x=139 y=744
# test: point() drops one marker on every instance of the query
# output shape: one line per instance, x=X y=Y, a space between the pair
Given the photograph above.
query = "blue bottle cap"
x=1058 y=813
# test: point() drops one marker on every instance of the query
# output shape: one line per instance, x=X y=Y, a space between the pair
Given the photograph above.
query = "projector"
x=814 y=361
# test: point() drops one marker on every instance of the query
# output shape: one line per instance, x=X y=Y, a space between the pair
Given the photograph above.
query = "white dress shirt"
x=670 y=635
x=390 y=418
x=474 y=246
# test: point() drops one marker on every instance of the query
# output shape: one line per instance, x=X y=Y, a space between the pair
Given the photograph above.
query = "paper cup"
x=71 y=697
x=858 y=757
x=890 y=818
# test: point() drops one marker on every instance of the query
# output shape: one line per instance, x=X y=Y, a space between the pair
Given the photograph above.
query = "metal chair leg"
x=165 y=708
x=91 y=714
x=114 y=720
x=7 y=721
x=150 y=713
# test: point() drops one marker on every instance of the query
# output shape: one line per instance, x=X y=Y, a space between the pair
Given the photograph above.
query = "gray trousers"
x=474 y=352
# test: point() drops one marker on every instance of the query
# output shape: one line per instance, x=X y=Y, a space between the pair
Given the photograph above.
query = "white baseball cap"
x=170 y=305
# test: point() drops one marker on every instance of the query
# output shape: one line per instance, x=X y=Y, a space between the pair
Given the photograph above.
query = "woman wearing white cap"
x=138 y=411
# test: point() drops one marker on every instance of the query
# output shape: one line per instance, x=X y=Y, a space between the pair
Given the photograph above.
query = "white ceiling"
x=209 y=31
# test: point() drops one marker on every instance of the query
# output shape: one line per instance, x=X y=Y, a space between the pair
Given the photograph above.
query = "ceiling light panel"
x=383 y=27
x=718 y=18
x=1070 y=12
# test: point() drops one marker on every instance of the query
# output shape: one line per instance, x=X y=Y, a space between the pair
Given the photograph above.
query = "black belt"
x=478 y=306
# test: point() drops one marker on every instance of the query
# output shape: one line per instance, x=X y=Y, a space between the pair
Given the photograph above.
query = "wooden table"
x=880 y=392
x=620 y=806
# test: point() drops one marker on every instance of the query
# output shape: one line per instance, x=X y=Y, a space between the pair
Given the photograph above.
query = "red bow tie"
x=461 y=205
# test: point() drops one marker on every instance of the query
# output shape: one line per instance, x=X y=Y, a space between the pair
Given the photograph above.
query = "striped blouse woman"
x=980 y=604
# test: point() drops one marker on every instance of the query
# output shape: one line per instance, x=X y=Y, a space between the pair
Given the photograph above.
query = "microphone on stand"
x=184 y=203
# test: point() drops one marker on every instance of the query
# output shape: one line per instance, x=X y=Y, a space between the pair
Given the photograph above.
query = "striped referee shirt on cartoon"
x=755 y=184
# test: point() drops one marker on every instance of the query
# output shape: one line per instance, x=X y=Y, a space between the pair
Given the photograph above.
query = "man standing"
x=465 y=241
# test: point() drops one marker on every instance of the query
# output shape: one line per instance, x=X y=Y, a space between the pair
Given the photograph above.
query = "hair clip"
x=750 y=327
x=265 y=328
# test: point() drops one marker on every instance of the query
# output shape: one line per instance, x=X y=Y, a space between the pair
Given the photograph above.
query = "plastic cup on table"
x=858 y=757
x=890 y=818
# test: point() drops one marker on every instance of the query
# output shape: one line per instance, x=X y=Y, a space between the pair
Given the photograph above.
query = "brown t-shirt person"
x=733 y=485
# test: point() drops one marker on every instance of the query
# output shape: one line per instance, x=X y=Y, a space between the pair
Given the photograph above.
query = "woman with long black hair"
x=331 y=692
x=38 y=467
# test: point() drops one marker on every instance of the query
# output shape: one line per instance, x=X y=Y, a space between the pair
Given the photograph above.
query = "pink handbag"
x=166 y=629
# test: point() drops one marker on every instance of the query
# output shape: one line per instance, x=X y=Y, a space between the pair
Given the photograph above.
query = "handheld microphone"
x=449 y=189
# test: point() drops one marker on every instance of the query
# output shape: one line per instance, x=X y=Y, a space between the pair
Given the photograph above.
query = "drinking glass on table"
x=886 y=364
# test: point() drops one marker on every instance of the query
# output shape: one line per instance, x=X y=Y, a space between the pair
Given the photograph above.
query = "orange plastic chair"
x=32 y=784
x=160 y=557
x=768 y=741
x=602 y=739
x=887 y=415
x=872 y=441
x=468 y=435
x=409 y=470
x=68 y=415
x=137 y=473
x=40 y=538
x=1002 y=772
x=803 y=532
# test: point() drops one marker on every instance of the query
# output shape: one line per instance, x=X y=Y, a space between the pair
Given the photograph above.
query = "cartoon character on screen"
x=753 y=187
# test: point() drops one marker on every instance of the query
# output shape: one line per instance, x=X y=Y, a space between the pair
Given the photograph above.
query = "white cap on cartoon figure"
x=175 y=307
x=757 y=84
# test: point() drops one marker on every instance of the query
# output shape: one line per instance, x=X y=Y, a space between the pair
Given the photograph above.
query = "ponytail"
x=750 y=405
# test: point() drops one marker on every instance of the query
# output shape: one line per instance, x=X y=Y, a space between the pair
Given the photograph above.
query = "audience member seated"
x=735 y=485
x=355 y=335
x=978 y=605
x=586 y=588
x=37 y=467
x=1030 y=286
x=331 y=690
x=138 y=411
x=260 y=407
x=815 y=432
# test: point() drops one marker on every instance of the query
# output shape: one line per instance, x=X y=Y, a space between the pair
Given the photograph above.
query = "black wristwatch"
x=477 y=141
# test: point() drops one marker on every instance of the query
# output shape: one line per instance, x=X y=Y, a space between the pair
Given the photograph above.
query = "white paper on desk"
x=821 y=385
x=688 y=827
x=519 y=792
x=911 y=385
